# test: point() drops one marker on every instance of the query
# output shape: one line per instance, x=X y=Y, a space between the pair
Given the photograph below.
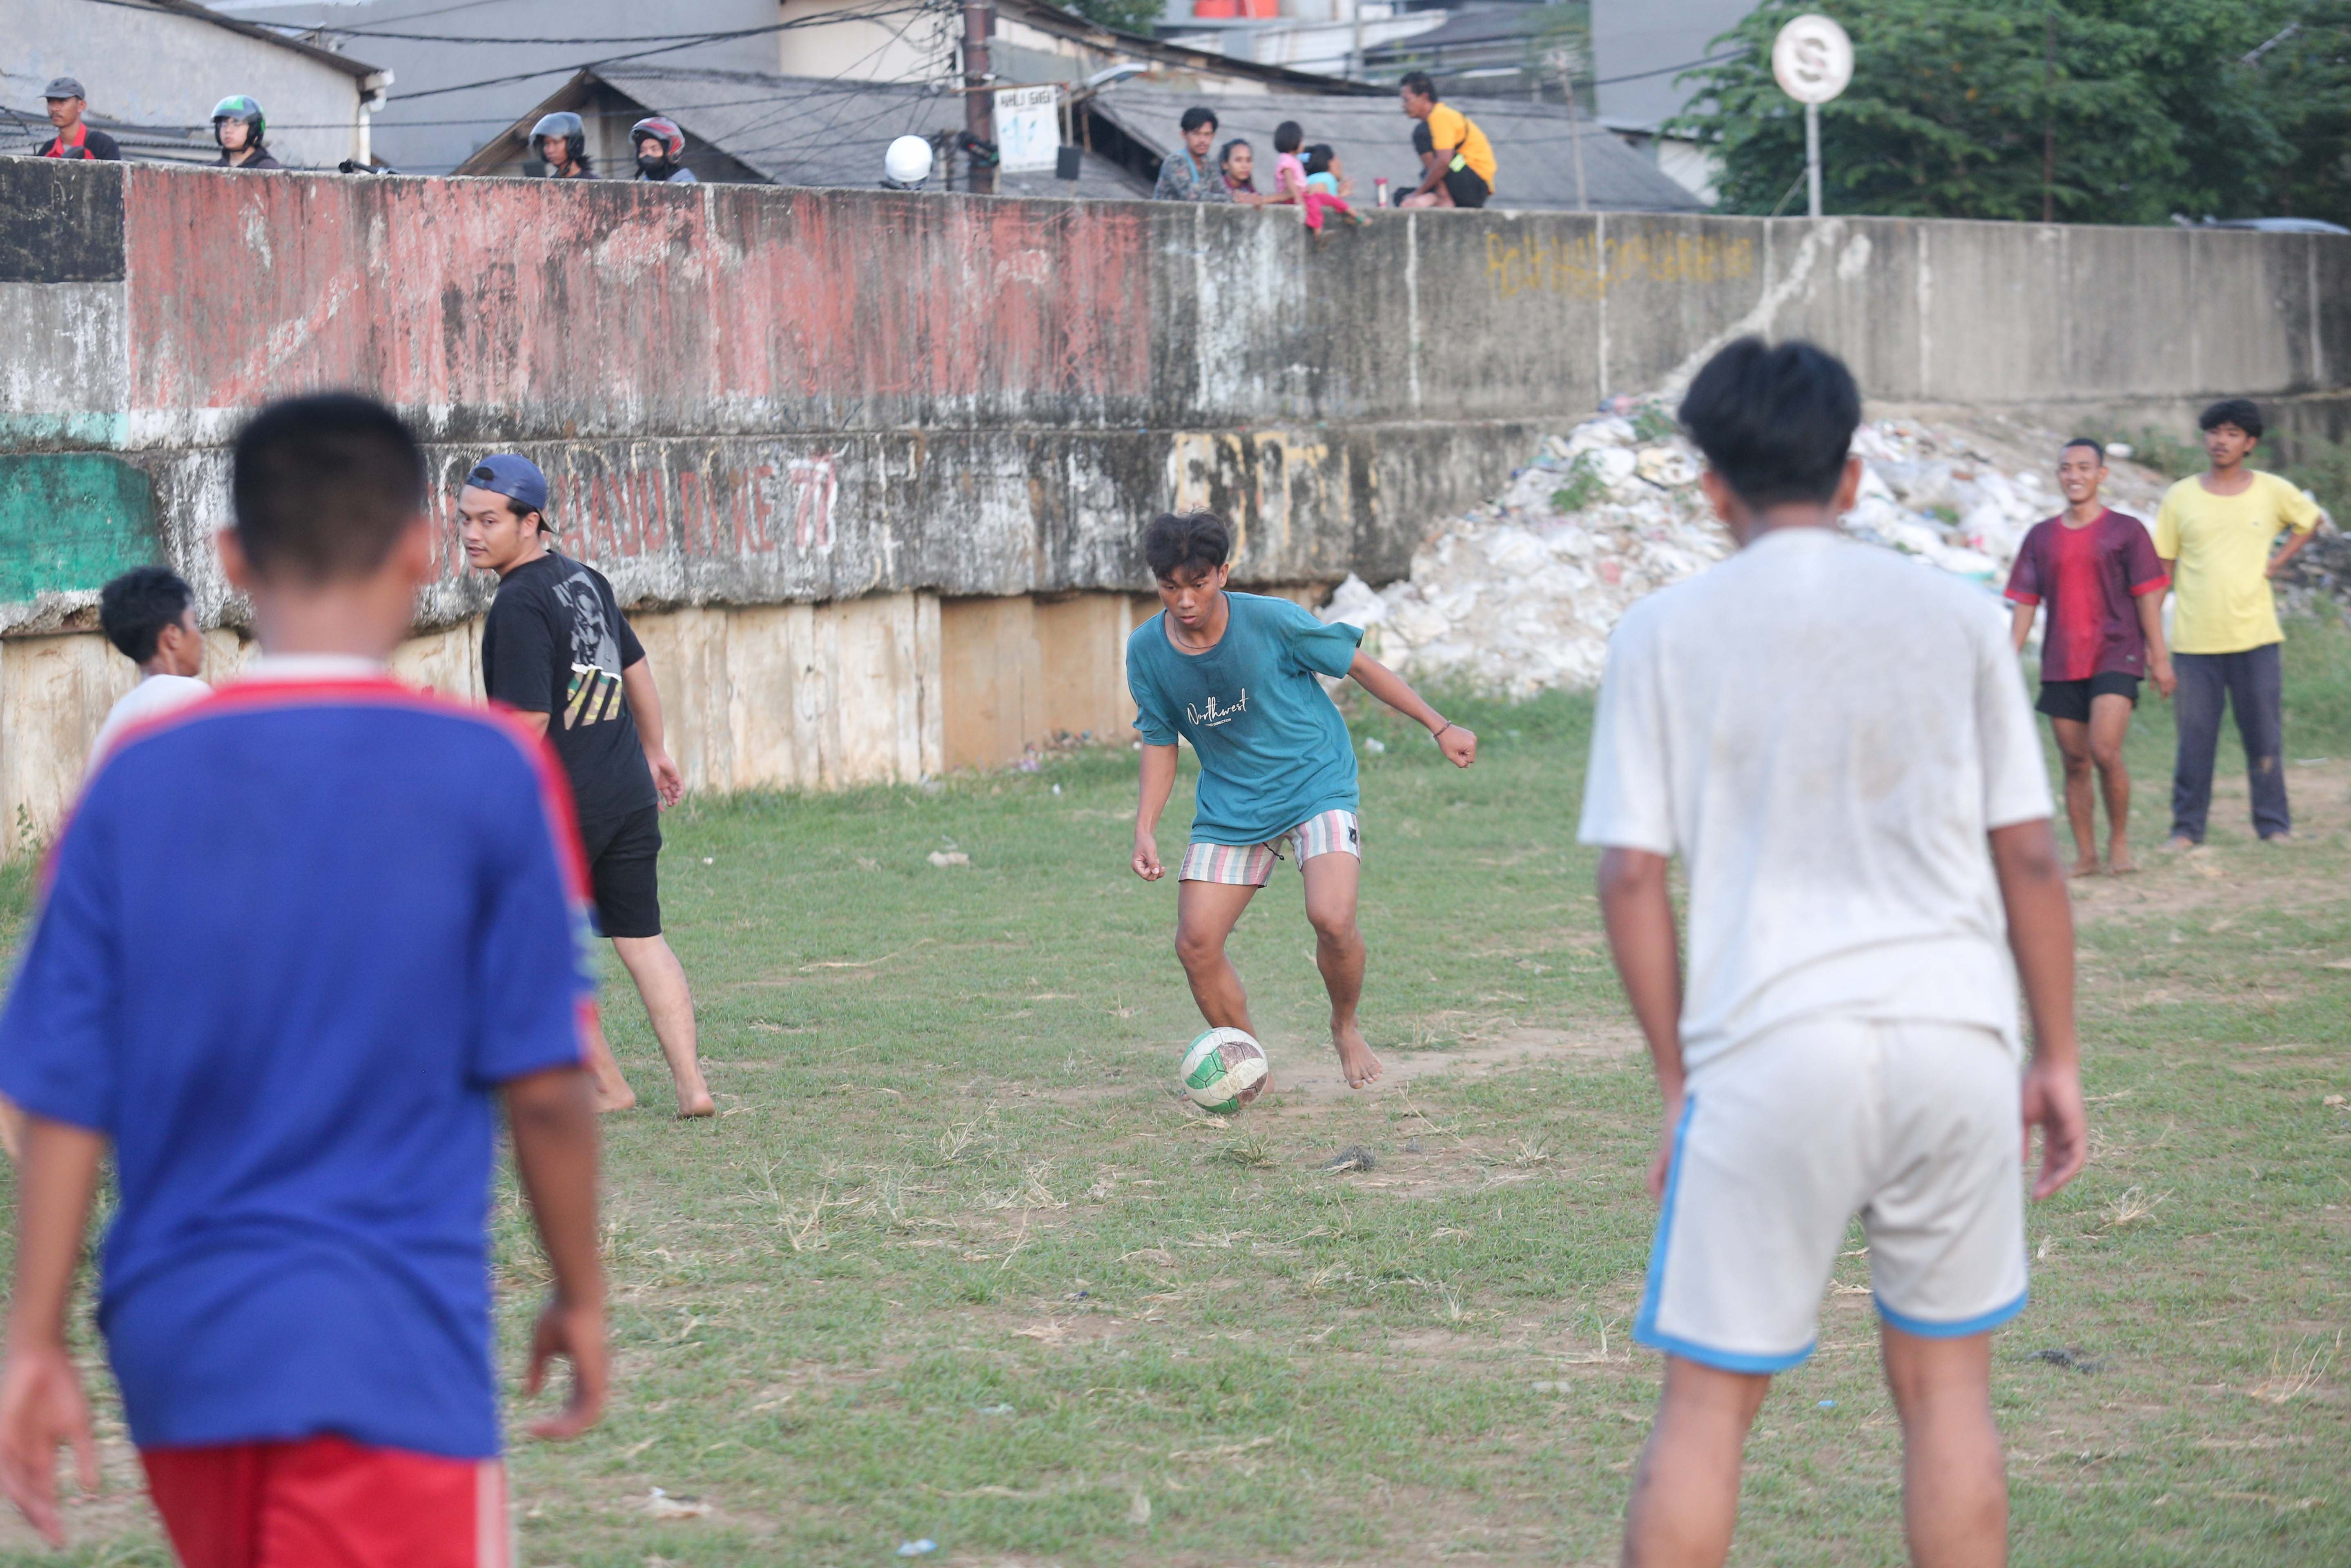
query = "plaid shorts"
x=1251 y=865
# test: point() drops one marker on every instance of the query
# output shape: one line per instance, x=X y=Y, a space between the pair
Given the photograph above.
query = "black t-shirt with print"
x=555 y=643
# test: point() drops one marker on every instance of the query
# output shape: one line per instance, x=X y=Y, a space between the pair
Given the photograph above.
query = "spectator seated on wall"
x=1457 y=161
x=1188 y=174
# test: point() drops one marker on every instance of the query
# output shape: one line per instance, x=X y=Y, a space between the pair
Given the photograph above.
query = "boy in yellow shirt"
x=2215 y=531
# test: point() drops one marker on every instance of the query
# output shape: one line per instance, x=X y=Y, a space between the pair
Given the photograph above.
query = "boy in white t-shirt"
x=150 y=615
x=1836 y=742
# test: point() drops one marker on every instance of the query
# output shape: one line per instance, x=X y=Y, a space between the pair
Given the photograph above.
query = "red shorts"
x=329 y=1502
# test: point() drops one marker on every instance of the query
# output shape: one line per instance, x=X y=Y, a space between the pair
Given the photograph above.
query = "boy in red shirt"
x=2104 y=584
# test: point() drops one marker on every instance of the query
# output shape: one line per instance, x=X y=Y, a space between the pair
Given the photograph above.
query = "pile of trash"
x=1519 y=595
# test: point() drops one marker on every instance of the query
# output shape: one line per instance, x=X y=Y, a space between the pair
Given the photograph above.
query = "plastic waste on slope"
x=1519 y=595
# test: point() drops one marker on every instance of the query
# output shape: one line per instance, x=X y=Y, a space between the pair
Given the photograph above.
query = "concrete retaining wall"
x=773 y=414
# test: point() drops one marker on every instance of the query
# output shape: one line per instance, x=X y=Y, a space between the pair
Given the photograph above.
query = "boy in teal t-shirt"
x=1234 y=674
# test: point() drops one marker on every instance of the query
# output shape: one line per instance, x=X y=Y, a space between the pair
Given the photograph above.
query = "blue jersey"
x=1273 y=749
x=296 y=935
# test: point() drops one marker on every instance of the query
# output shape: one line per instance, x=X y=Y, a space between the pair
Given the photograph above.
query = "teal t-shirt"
x=1273 y=749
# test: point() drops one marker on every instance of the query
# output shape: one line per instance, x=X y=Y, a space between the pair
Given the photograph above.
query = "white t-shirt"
x=1824 y=732
x=151 y=699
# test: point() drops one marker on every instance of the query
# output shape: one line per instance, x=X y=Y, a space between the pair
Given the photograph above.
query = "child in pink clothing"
x=1288 y=168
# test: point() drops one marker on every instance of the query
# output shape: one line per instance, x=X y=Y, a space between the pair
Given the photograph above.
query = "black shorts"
x=1467 y=187
x=2071 y=699
x=624 y=873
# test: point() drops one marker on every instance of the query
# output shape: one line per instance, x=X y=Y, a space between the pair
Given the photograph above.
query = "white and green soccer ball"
x=1224 y=1071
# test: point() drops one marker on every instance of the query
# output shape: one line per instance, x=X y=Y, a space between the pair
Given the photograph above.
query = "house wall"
x=901 y=48
x=838 y=447
x=153 y=68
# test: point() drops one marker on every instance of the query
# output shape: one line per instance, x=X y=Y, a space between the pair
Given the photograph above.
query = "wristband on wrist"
x=1438 y=733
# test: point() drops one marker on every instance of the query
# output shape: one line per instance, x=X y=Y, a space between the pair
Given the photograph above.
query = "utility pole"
x=1564 y=61
x=978 y=102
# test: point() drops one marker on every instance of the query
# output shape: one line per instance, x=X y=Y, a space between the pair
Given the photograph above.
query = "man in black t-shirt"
x=557 y=649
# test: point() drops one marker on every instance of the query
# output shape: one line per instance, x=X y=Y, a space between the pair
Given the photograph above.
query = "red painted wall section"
x=568 y=311
x=906 y=296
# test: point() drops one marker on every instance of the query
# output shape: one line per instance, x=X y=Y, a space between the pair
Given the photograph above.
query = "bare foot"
x=1355 y=1058
x=2118 y=860
x=2277 y=838
x=615 y=1096
x=694 y=1102
x=2180 y=843
x=2086 y=866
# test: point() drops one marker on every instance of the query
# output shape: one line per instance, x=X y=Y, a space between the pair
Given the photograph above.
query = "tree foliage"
x=1127 y=16
x=2154 y=107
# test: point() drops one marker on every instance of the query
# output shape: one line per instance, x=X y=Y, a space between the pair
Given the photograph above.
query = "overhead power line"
x=1664 y=70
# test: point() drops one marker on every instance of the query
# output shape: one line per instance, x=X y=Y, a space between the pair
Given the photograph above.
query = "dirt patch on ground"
x=2225 y=876
x=1312 y=1082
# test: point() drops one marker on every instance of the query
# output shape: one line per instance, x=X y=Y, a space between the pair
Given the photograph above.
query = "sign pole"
x=1811 y=59
x=1813 y=155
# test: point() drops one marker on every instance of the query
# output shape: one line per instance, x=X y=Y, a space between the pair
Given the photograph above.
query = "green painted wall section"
x=71 y=520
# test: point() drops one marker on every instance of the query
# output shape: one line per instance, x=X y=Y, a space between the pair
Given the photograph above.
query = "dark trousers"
x=2252 y=683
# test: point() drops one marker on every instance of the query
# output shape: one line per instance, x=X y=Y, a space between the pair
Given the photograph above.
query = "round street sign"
x=1811 y=59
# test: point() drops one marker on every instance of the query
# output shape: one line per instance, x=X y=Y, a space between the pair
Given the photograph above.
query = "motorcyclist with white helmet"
x=561 y=140
x=661 y=150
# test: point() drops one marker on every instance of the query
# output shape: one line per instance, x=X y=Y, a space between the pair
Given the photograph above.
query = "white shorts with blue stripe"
x=1783 y=1139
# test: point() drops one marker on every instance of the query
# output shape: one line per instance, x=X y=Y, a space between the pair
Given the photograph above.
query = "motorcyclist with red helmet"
x=661 y=150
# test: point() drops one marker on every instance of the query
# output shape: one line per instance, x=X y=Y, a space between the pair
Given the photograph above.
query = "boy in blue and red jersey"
x=299 y=1095
x=2102 y=581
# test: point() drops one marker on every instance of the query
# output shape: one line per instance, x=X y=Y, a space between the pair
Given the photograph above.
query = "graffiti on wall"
x=1588 y=266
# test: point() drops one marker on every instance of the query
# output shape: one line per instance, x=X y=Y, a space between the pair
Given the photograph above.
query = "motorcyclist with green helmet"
x=561 y=140
x=238 y=127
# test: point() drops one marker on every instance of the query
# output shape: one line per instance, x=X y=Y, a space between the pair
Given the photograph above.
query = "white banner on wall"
x=1028 y=126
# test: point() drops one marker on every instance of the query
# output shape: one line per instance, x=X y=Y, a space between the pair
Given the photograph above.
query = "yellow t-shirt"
x=1451 y=132
x=2222 y=546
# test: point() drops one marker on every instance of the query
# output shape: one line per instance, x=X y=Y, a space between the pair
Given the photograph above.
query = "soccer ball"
x=1224 y=1071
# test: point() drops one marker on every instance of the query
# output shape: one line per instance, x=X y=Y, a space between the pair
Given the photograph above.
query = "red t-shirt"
x=2091 y=576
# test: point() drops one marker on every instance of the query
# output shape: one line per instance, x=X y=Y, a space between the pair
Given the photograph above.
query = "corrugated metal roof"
x=1532 y=151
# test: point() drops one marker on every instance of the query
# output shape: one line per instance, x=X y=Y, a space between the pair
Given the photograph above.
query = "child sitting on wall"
x=1326 y=189
x=1288 y=167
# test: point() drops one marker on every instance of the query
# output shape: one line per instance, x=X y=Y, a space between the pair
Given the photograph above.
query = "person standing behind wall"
x=661 y=152
x=238 y=125
x=74 y=138
x=1457 y=161
x=561 y=140
x=1188 y=174
x=2216 y=529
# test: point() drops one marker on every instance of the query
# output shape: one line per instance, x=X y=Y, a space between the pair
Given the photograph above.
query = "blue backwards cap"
x=513 y=475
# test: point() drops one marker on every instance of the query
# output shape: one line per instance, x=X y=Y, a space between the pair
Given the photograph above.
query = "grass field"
x=954 y=1264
